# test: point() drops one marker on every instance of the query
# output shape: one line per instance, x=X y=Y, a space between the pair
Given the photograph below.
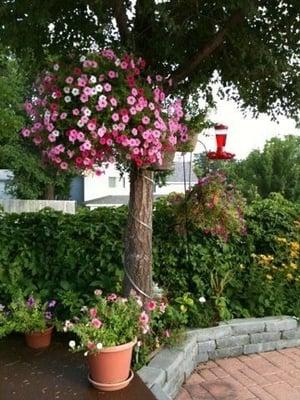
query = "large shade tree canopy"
x=249 y=45
x=252 y=44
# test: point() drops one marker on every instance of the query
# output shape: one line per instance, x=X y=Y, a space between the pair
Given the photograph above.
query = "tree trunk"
x=138 y=240
x=49 y=192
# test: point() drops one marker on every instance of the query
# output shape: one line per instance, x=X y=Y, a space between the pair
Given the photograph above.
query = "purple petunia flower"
x=30 y=302
x=52 y=303
x=48 y=315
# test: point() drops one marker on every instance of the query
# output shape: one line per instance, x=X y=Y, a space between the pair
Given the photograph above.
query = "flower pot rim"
x=112 y=349
x=38 y=333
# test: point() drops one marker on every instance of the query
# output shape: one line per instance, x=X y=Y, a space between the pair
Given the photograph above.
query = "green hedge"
x=49 y=251
x=52 y=253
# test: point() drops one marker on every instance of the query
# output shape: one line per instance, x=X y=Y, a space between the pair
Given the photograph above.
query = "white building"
x=5 y=177
x=111 y=189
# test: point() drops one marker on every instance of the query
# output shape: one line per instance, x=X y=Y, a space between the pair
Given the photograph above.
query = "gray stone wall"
x=19 y=206
x=169 y=369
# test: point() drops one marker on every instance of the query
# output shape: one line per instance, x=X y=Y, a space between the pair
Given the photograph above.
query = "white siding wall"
x=5 y=176
x=98 y=186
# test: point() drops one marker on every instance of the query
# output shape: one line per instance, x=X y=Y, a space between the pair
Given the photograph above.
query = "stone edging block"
x=171 y=367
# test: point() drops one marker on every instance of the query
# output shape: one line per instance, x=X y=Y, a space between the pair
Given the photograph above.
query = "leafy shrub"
x=50 y=253
x=225 y=273
x=67 y=256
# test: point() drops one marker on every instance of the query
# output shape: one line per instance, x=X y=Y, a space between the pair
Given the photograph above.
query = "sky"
x=245 y=134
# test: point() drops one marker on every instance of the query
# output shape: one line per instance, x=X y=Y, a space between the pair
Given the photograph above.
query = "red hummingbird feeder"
x=220 y=153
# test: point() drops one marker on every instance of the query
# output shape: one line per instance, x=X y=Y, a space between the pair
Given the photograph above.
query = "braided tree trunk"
x=138 y=239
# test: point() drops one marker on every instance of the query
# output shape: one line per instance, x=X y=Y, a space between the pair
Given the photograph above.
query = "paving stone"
x=172 y=387
x=217 y=332
x=281 y=324
x=245 y=326
x=168 y=360
x=229 y=352
x=282 y=390
x=291 y=334
x=202 y=357
x=259 y=347
x=255 y=376
x=159 y=393
x=233 y=341
x=283 y=344
x=152 y=376
x=209 y=345
x=183 y=395
x=264 y=337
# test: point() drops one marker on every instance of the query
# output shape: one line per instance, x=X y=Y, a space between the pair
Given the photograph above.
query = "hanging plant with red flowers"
x=103 y=109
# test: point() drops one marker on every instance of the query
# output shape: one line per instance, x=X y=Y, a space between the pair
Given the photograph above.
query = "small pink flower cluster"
x=104 y=110
x=145 y=316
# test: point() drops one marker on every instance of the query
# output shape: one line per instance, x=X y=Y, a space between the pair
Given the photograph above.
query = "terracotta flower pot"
x=167 y=162
x=110 y=368
x=39 y=340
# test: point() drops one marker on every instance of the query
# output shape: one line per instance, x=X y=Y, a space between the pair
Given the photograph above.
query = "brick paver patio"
x=267 y=376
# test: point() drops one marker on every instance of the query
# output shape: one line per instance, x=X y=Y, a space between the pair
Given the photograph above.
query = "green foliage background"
x=31 y=176
x=53 y=253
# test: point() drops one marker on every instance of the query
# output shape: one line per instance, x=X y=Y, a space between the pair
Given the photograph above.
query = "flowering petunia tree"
x=106 y=109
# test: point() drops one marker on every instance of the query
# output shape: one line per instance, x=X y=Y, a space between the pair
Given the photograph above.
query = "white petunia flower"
x=202 y=299
x=67 y=99
x=72 y=344
x=80 y=124
x=56 y=67
x=99 y=88
x=87 y=112
x=99 y=346
x=93 y=79
x=82 y=58
x=55 y=133
x=67 y=89
x=75 y=92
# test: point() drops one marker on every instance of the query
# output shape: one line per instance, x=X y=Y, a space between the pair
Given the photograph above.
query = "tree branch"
x=143 y=26
x=216 y=41
x=119 y=10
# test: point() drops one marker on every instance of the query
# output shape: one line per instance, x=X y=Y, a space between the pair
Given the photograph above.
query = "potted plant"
x=107 y=333
x=212 y=205
x=33 y=318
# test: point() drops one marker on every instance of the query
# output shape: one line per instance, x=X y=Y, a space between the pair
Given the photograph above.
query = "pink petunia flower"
x=144 y=318
x=64 y=166
x=112 y=297
x=145 y=120
x=115 y=117
x=107 y=87
x=131 y=100
x=51 y=138
x=93 y=312
x=111 y=74
x=151 y=305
